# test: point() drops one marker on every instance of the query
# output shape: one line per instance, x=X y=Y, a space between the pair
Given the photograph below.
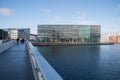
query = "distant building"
x=105 y=37
x=13 y=33
x=33 y=37
x=118 y=39
x=113 y=39
x=3 y=35
x=24 y=33
x=69 y=33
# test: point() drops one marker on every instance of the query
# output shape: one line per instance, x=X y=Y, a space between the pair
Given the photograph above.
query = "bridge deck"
x=15 y=64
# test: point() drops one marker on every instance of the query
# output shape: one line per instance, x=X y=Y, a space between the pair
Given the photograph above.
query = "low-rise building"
x=33 y=37
x=113 y=39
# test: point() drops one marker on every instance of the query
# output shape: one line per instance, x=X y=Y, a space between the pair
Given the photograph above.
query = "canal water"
x=101 y=62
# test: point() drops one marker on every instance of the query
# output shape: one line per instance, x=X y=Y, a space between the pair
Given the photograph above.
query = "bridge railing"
x=6 y=45
x=41 y=68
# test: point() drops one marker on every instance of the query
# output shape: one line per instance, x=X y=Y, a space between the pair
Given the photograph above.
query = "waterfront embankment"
x=70 y=44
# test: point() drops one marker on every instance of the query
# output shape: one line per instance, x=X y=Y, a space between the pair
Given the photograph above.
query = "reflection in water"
x=84 y=62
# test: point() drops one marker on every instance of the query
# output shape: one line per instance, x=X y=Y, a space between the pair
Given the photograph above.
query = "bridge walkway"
x=15 y=64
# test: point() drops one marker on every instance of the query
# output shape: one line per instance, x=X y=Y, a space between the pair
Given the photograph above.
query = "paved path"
x=15 y=64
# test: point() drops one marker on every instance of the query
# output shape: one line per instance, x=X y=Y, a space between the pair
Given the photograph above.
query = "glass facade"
x=24 y=33
x=69 y=33
x=13 y=33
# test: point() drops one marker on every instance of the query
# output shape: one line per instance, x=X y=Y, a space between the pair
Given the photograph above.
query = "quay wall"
x=70 y=44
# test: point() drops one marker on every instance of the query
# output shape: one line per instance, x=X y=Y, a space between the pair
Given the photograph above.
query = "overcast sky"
x=30 y=13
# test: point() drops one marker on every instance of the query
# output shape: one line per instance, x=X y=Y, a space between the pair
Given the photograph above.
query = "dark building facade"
x=3 y=34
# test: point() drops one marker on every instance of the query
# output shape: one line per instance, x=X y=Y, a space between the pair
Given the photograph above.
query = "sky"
x=30 y=13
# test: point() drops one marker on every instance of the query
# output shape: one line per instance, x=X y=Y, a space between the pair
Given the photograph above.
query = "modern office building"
x=69 y=33
x=24 y=33
x=12 y=32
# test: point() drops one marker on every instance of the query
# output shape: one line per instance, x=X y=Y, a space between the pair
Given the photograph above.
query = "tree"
x=55 y=36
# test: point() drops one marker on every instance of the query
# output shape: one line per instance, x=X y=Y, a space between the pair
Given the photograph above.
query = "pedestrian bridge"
x=21 y=61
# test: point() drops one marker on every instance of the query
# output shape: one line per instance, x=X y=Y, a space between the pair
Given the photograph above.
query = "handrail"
x=41 y=68
x=6 y=45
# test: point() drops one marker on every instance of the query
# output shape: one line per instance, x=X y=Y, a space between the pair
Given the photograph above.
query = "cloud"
x=82 y=20
x=5 y=11
x=56 y=19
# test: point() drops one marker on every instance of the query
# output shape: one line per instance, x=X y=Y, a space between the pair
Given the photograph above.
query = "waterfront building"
x=33 y=37
x=114 y=38
x=69 y=33
x=12 y=32
x=24 y=33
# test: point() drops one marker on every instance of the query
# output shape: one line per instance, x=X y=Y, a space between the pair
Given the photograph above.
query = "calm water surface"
x=84 y=62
